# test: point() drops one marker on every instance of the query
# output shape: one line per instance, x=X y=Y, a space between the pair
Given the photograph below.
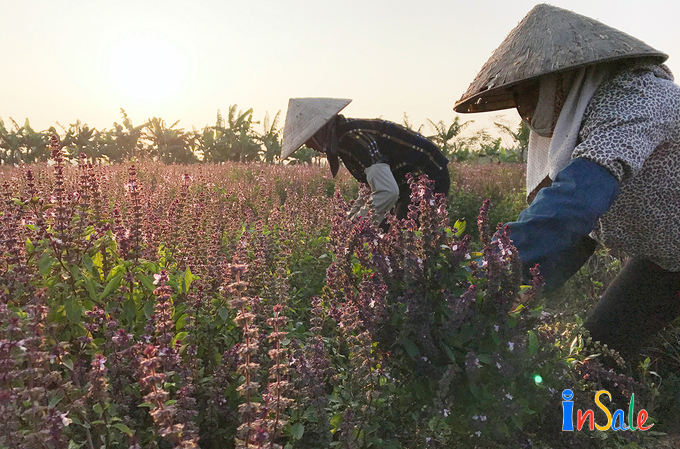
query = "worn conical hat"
x=305 y=117
x=547 y=40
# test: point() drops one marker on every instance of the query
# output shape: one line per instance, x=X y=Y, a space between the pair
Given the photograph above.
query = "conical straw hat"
x=305 y=117
x=547 y=40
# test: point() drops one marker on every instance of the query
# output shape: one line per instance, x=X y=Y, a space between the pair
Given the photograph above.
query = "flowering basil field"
x=234 y=306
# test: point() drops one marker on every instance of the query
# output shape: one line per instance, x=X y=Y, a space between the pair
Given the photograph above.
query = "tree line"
x=236 y=137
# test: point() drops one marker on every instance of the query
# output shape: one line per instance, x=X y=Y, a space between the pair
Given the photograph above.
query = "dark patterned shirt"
x=632 y=127
x=363 y=143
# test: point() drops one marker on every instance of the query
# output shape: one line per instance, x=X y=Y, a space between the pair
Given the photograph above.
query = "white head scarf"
x=549 y=155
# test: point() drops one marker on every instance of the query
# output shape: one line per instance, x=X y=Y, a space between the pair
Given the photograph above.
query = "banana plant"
x=10 y=144
x=271 y=139
x=521 y=138
x=232 y=139
x=170 y=144
x=123 y=142
x=80 y=139
x=446 y=137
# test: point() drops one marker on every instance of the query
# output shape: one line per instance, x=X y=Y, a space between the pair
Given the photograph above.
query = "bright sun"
x=146 y=68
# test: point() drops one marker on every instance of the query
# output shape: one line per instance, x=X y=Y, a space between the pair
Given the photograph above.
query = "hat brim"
x=548 y=40
x=306 y=116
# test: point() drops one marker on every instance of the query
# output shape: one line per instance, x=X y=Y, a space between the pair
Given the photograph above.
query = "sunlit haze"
x=145 y=69
x=185 y=60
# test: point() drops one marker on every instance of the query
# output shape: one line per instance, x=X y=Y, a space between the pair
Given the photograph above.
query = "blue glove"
x=553 y=231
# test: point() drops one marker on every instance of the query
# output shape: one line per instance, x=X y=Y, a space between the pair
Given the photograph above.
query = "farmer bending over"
x=376 y=152
x=603 y=162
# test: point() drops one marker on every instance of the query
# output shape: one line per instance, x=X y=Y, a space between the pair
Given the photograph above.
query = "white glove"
x=384 y=194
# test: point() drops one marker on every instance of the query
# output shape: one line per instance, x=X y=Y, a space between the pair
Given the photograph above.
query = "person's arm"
x=553 y=230
x=363 y=147
x=628 y=118
x=384 y=193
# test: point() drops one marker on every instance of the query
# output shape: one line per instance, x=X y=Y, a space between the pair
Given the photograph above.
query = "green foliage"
x=471 y=184
x=122 y=143
x=446 y=138
x=232 y=138
x=23 y=144
x=270 y=139
x=170 y=145
x=81 y=139
x=480 y=146
x=440 y=355
x=520 y=137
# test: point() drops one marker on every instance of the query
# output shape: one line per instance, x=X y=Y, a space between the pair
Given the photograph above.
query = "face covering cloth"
x=549 y=155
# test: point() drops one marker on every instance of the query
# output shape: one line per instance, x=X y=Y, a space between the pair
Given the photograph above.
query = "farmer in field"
x=376 y=152
x=603 y=162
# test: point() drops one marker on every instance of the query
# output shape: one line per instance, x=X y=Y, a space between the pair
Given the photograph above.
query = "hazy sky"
x=184 y=60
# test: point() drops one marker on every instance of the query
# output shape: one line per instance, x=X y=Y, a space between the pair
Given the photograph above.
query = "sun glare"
x=146 y=68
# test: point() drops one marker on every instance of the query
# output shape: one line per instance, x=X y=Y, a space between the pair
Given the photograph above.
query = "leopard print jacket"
x=632 y=127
